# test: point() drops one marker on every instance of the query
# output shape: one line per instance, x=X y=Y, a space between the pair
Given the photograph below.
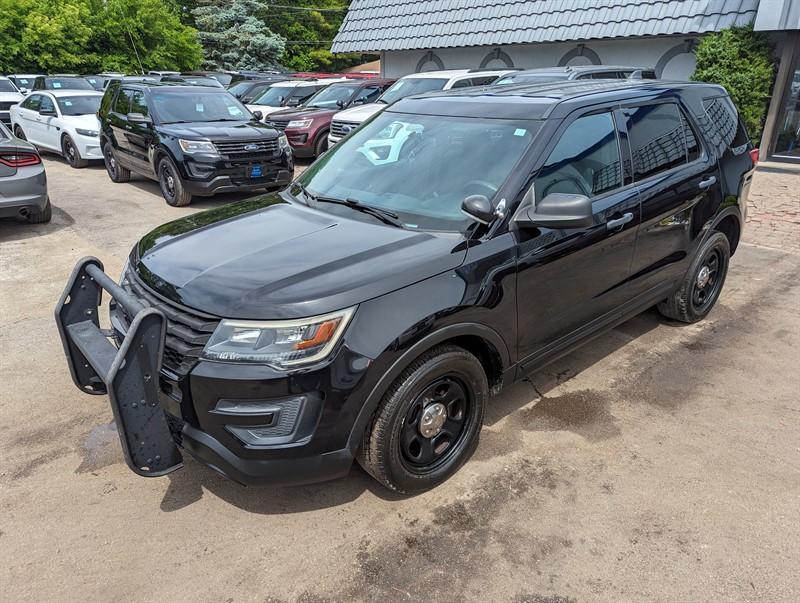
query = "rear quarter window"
x=721 y=125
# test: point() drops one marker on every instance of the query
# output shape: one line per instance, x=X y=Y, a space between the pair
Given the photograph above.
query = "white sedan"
x=64 y=121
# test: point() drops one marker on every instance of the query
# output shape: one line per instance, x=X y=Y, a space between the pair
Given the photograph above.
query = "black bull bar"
x=129 y=375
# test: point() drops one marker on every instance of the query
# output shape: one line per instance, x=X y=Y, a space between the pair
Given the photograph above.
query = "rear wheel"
x=19 y=133
x=172 y=187
x=116 y=172
x=41 y=217
x=71 y=154
x=703 y=282
x=428 y=423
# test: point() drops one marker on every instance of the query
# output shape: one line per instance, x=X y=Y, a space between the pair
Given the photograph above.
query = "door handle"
x=708 y=182
x=616 y=223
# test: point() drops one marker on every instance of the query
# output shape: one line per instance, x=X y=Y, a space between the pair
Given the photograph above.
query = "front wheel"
x=428 y=423
x=321 y=145
x=703 y=282
x=71 y=154
x=172 y=187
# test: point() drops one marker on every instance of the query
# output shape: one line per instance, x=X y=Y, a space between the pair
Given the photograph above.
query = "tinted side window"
x=656 y=134
x=139 y=103
x=465 y=83
x=585 y=161
x=367 y=95
x=33 y=102
x=47 y=104
x=483 y=81
x=122 y=104
x=692 y=144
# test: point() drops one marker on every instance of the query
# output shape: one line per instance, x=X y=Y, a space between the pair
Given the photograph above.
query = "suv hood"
x=13 y=97
x=361 y=113
x=267 y=258
x=217 y=130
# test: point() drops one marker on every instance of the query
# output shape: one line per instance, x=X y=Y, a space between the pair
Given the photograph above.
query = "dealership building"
x=426 y=35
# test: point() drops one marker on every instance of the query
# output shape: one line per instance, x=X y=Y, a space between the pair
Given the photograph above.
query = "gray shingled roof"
x=374 y=25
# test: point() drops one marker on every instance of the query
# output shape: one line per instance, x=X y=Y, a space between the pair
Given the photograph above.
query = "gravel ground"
x=659 y=462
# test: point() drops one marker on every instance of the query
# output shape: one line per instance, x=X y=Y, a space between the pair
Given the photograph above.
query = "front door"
x=572 y=282
x=50 y=131
x=140 y=134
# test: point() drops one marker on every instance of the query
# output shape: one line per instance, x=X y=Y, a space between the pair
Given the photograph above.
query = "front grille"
x=4 y=106
x=187 y=331
x=241 y=149
x=278 y=125
x=342 y=128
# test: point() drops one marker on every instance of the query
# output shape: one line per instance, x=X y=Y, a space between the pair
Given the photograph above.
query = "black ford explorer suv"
x=453 y=244
x=192 y=140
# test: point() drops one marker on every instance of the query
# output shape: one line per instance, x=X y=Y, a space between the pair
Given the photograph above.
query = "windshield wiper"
x=384 y=215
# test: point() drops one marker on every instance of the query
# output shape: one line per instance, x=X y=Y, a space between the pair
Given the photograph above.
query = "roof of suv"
x=533 y=101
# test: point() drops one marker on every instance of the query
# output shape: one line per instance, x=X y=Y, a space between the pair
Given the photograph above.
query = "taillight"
x=754 y=155
x=18 y=160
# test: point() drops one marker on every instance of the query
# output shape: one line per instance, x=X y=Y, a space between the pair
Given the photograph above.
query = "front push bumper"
x=129 y=375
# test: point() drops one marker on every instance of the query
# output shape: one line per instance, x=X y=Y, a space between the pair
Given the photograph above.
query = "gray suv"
x=23 y=184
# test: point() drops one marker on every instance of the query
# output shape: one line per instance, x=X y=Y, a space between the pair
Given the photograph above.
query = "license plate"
x=256 y=171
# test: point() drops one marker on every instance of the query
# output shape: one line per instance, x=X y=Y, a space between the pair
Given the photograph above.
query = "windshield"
x=68 y=83
x=408 y=86
x=201 y=106
x=79 y=105
x=240 y=87
x=24 y=82
x=273 y=96
x=7 y=86
x=328 y=98
x=421 y=167
x=530 y=78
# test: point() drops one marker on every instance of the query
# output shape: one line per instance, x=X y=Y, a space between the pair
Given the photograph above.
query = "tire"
x=71 y=154
x=396 y=451
x=116 y=172
x=19 y=133
x=41 y=217
x=321 y=145
x=172 y=187
x=703 y=282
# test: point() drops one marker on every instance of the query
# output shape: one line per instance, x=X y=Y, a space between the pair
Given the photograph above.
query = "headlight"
x=281 y=343
x=197 y=146
x=89 y=133
x=300 y=123
x=283 y=142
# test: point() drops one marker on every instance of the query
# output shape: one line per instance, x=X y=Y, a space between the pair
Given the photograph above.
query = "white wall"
x=638 y=52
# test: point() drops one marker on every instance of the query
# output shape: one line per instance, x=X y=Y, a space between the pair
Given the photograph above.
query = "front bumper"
x=207 y=178
x=202 y=407
x=5 y=117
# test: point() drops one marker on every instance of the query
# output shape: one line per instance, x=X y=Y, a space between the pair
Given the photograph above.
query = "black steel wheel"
x=435 y=424
x=71 y=154
x=428 y=422
x=116 y=172
x=172 y=188
x=702 y=285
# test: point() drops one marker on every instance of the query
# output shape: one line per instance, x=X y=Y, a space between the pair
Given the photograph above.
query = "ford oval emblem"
x=346 y=130
x=251 y=147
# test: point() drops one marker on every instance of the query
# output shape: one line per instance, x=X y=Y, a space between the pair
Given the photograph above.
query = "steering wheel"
x=488 y=187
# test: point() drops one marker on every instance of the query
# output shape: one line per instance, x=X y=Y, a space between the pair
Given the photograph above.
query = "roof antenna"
x=136 y=52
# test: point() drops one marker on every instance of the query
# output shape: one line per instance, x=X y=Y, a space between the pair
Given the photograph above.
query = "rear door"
x=678 y=182
x=571 y=282
x=118 y=121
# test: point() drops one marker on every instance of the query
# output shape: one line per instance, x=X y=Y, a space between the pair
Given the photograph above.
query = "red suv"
x=307 y=127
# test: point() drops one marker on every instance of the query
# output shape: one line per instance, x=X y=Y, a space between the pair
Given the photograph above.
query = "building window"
x=787 y=134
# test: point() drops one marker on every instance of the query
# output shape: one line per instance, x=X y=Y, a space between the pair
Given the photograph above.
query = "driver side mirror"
x=559 y=211
x=139 y=118
x=23 y=91
x=479 y=208
x=258 y=115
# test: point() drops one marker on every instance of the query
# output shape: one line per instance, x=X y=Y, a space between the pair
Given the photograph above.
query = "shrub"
x=741 y=60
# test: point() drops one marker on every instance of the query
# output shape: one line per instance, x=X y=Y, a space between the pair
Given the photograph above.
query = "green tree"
x=742 y=61
x=233 y=37
x=309 y=26
x=150 y=28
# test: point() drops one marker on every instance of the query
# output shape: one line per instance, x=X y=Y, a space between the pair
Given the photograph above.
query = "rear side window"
x=122 y=104
x=585 y=161
x=657 y=137
x=139 y=103
x=722 y=125
x=465 y=83
x=483 y=80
